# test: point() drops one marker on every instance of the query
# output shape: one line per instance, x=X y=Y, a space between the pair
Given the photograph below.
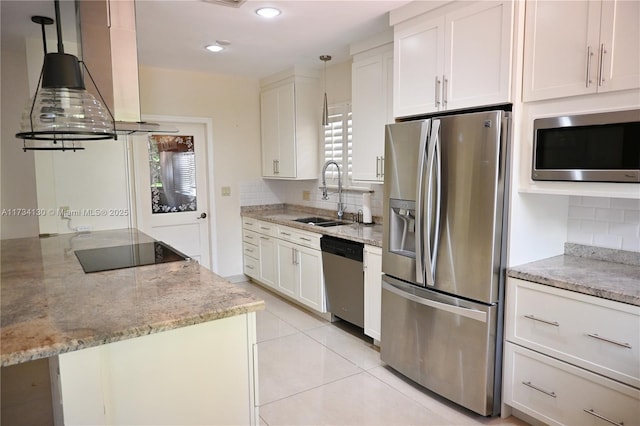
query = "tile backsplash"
x=604 y=222
x=265 y=191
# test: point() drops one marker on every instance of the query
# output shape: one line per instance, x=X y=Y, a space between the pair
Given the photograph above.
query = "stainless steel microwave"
x=603 y=147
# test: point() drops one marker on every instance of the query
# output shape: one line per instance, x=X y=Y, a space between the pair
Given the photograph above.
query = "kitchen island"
x=170 y=343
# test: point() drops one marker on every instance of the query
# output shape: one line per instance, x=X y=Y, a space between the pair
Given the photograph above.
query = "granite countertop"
x=50 y=306
x=285 y=215
x=605 y=273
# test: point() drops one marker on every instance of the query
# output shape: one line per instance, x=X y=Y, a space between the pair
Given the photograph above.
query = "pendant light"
x=325 y=108
x=62 y=112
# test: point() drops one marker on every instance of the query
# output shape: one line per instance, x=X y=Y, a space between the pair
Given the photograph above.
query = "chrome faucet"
x=325 y=195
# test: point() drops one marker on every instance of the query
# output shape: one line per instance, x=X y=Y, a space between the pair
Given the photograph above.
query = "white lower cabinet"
x=268 y=259
x=558 y=393
x=571 y=358
x=288 y=260
x=203 y=374
x=372 y=291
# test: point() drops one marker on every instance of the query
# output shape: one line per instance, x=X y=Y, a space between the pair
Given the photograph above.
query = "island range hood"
x=110 y=51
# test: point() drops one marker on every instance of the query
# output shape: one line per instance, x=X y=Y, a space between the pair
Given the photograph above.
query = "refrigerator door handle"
x=434 y=161
x=457 y=310
x=419 y=218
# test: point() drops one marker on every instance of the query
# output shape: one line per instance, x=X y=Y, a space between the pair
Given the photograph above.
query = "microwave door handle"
x=419 y=219
x=432 y=216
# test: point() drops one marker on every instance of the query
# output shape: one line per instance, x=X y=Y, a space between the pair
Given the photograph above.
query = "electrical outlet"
x=64 y=211
x=306 y=195
x=226 y=191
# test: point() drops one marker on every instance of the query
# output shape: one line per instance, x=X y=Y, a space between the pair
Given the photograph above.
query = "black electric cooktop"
x=119 y=257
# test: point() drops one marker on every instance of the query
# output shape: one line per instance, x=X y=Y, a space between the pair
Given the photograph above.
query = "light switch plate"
x=226 y=191
x=306 y=195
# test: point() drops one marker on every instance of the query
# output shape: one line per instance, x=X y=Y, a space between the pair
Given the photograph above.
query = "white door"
x=171 y=180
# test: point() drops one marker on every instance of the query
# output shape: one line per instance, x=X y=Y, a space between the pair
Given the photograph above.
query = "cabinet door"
x=372 y=291
x=268 y=273
x=560 y=48
x=277 y=114
x=418 y=67
x=269 y=130
x=619 y=46
x=286 y=166
x=478 y=55
x=310 y=278
x=369 y=112
x=287 y=268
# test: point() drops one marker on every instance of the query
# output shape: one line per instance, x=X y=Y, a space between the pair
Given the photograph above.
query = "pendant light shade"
x=62 y=112
x=325 y=107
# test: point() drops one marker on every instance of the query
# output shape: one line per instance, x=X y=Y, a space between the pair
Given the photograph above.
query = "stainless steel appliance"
x=443 y=254
x=602 y=147
x=344 y=278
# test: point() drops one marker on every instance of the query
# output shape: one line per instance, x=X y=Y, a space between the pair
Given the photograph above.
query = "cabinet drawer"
x=250 y=250
x=250 y=237
x=587 y=331
x=307 y=239
x=250 y=223
x=558 y=393
x=251 y=267
x=267 y=228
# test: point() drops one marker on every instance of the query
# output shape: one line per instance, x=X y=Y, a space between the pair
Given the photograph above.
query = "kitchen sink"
x=319 y=221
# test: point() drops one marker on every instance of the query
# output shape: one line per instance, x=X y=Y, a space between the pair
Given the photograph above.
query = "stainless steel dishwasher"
x=344 y=278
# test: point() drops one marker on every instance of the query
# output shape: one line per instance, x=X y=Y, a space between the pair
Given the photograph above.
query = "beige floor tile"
x=356 y=400
x=356 y=349
x=271 y=327
x=295 y=363
x=453 y=413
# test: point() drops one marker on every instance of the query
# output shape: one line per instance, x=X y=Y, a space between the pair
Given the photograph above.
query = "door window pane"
x=173 y=174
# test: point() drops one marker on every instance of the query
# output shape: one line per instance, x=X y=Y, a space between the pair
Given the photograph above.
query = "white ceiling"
x=173 y=33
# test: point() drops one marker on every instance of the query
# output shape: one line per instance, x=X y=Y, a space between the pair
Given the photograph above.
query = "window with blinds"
x=337 y=142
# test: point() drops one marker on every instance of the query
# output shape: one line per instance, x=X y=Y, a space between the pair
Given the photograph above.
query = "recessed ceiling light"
x=268 y=12
x=214 y=48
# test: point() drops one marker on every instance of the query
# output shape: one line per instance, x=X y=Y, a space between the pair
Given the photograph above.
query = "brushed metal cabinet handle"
x=601 y=417
x=437 y=89
x=601 y=65
x=445 y=85
x=605 y=339
x=589 y=55
x=532 y=386
x=553 y=323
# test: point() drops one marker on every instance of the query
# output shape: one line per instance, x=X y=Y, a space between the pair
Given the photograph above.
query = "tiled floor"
x=313 y=372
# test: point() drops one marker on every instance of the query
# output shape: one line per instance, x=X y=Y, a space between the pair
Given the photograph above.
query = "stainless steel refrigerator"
x=444 y=253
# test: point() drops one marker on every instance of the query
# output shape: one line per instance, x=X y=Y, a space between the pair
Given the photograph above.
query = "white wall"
x=18 y=179
x=233 y=104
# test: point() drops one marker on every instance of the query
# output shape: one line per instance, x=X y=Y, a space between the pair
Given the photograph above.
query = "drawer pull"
x=595 y=336
x=249 y=237
x=551 y=394
x=305 y=239
x=285 y=233
x=553 y=323
x=265 y=228
x=264 y=238
x=601 y=417
x=249 y=266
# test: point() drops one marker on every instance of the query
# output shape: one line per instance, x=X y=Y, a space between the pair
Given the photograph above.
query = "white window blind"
x=337 y=142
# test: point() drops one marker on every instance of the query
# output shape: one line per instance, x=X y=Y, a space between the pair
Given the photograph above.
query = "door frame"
x=208 y=125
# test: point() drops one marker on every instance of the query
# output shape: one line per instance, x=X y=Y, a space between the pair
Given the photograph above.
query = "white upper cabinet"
x=372 y=88
x=453 y=58
x=580 y=47
x=418 y=67
x=290 y=124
